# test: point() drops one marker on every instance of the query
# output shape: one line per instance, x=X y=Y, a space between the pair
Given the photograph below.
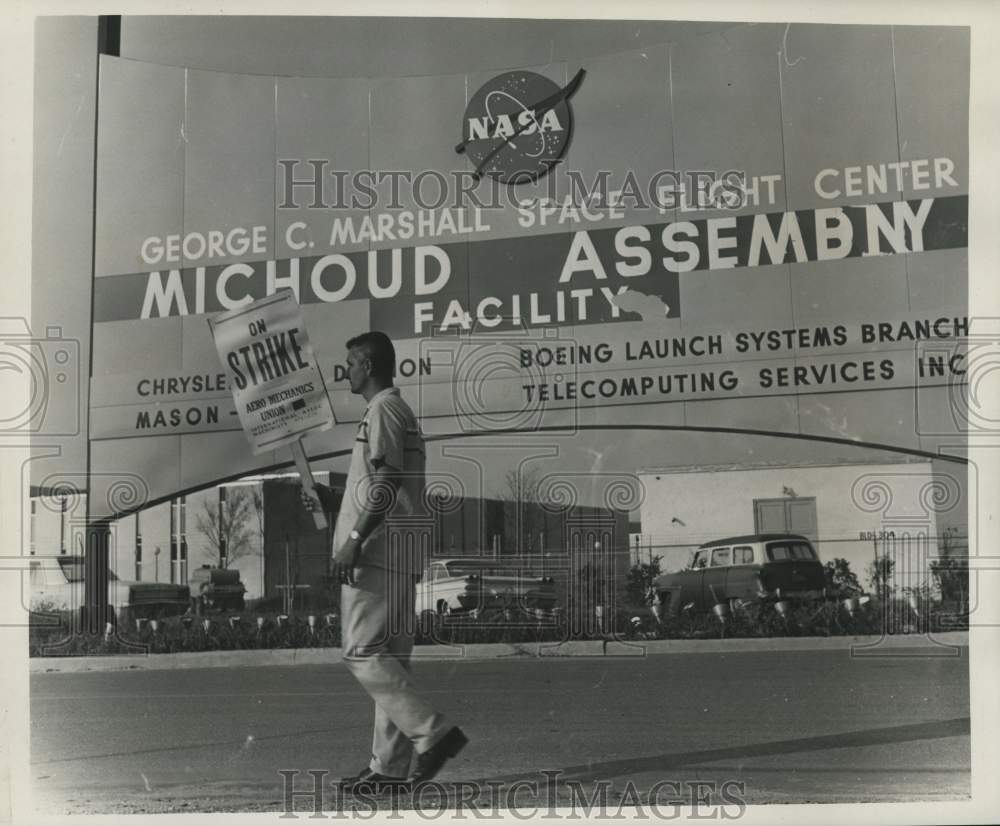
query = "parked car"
x=217 y=589
x=749 y=568
x=465 y=585
x=56 y=583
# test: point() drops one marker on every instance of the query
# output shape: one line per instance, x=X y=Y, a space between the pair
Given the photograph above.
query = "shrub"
x=53 y=634
x=222 y=633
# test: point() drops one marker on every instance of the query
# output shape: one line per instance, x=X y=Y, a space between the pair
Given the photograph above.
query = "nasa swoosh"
x=542 y=106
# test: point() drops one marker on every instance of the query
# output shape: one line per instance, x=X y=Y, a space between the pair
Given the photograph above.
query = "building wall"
x=154 y=523
x=853 y=504
x=861 y=509
x=571 y=539
x=56 y=524
x=296 y=554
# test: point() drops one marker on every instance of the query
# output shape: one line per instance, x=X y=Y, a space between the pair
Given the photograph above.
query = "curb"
x=939 y=645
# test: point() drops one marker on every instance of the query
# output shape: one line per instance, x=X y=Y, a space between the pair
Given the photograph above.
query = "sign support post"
x=96 y=611
x=308 y=483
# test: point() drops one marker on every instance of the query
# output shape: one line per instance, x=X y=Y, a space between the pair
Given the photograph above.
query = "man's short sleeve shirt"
x=388 y=434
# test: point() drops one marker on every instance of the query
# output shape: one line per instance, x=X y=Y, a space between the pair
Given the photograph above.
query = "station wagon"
x=748 y=568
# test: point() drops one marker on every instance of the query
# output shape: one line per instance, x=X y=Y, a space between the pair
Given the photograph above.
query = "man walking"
x=385 y=482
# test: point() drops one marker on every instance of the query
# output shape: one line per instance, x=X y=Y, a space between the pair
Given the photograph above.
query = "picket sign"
x=279 y=392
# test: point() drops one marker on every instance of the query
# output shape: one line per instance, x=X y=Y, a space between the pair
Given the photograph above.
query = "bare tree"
x=226 y=525
x=257 y=499
x=524 y=486
x=522 y=496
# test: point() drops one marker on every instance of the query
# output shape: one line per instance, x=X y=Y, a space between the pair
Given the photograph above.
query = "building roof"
x=764 y=465
x=753 y=537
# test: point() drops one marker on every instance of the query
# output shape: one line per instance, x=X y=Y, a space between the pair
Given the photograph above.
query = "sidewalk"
x=944 y=645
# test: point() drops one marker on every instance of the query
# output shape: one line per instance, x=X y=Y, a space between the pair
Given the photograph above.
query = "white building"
x=166 y=542
x=848 y=510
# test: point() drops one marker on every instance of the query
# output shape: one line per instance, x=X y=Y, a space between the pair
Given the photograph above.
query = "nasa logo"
x=517 y=126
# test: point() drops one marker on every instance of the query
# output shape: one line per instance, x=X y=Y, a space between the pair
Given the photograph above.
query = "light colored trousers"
x=377 y=627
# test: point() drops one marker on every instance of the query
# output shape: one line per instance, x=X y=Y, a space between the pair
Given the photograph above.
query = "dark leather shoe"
x=430 y=762
x=368 y=782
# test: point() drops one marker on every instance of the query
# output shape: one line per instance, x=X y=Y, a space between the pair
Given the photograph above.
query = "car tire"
x=427 y=622
x=666 y=604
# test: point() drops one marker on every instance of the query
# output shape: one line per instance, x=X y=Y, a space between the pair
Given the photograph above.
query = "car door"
x=741 y=581
x=714 y=578
x=425 y=587
x=689 y=582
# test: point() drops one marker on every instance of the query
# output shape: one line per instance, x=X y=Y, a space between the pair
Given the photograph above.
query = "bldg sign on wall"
x=701 y=224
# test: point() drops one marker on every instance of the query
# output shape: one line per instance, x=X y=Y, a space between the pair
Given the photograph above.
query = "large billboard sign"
x=618 y=239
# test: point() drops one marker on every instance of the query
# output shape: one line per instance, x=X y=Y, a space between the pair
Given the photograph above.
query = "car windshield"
x=777 y=551
x=72 y=569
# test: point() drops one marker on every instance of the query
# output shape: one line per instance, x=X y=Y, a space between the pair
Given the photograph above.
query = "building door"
x=795 y=514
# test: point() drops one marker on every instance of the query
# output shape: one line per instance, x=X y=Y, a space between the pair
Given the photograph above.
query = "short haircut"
x=378 y=350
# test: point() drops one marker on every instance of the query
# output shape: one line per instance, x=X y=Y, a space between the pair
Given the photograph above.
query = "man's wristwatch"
x=355 y=536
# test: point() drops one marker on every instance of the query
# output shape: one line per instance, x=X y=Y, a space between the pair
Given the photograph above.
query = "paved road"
x=806 y=726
